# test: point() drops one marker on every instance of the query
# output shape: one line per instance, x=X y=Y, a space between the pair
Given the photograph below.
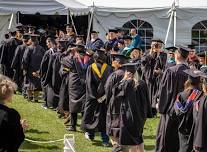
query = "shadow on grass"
x=149 y=137
x=37 y=131
x=149 y=147
x=28 y=145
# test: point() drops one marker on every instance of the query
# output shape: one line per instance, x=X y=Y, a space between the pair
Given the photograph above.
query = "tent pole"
x=90 y=24
x=68 y=17
x=169 y=24
x=10 y=22
x=73 y=23
x=175 y=27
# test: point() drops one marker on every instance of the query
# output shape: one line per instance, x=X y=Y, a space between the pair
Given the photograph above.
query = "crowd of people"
x=115 y=85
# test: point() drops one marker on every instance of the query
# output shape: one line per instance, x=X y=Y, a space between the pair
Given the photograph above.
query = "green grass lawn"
x=44 y=126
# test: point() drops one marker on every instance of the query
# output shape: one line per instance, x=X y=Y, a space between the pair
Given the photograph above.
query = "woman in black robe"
x=94 y=116
x=200 y=120
x=32 y=59
x=184 y=109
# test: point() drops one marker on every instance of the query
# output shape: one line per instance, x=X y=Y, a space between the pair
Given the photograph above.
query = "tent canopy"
x=47 y=7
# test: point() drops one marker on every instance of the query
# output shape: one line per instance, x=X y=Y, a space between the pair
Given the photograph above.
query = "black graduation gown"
x=95 y=112
x=131 y=116
x=186 y=123
x=31 y=63
x=17 y=65
x=171 y=84
x=8 y=52
x=11 y=131
x=200 y=119
x=150 y=63
x=76 y=81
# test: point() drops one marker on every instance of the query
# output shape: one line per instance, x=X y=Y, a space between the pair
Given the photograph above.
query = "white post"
x=10 y=22
x=68 y=17
x=73 y=23
x=89 y=26
x=169 y=24
x=175 y=27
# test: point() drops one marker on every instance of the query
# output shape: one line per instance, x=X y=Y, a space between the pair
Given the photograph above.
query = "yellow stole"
x=96 y=70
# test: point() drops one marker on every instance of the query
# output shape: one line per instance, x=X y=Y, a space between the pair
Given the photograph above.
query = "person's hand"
x=128 y=75
x=24 y=124
x=35 y=74
x=196 y=149
x=158 y=71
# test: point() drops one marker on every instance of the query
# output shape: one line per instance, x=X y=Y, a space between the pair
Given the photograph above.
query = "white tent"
x=110 y=14
x=46 y=7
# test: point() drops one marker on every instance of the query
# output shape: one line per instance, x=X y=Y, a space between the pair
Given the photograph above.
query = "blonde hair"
x=7 y=87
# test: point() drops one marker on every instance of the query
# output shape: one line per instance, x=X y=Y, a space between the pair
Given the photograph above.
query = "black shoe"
x=71 y=128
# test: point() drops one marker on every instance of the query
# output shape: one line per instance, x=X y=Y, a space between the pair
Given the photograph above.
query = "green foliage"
x=44 y=126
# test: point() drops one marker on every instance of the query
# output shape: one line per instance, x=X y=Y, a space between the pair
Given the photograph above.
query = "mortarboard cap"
x=31 y=26
x=120 y=29
x=80 y=36
x=158 y=41
x=193 y=75
x=118 y=57
x=69 y=25
x=171 y=49
x=95 y=32
x=137 y=49
x=100 y=55
x=113 y=30
x=26 y=36
x=131 y=67
x=127 y=37
x=19 y=26
x=184 y=51
x=202 y=54
x=191 y=46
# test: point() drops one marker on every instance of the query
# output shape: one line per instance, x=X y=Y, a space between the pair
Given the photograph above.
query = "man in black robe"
x=171 y=84
x=31 y=65
x=94 y=116
x=95 y=43
x=17 y=62
x=200 y=120
x=202 y=57
x=45 y=77
x=171 y=56
x=153 y=65
x=8 y=52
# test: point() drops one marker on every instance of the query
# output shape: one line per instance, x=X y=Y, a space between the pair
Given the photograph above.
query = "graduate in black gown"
x=8 y=52
x=44 y=75
x=131 y=104
x=95 y=42
x=17 y=62
x=135 y=56
x=153 y=65
x=184 y=109
x=76 y=82
x=200 y=120
x=202 y=57
x=171 y=57
x=171 y=84
x=31 y=65
x=95 y=107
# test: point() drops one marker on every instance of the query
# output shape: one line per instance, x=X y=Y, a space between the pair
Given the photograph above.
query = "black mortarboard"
x=120 y=29
x=193 y=75
x=31 y=26
x=158 y=41
x=100 y=55
x=26 y=36
x=184 y=51
x=131 y=67
x=95 y=32
x=81 y=36
x=191 y=46
x=137 y=49
x=118 y=57
x=70 y=25
x=202 y=54
x=113 y=30
x=127 y=37
x=171 y=49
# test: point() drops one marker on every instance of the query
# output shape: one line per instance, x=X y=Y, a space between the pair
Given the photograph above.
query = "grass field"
x=44 y=126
